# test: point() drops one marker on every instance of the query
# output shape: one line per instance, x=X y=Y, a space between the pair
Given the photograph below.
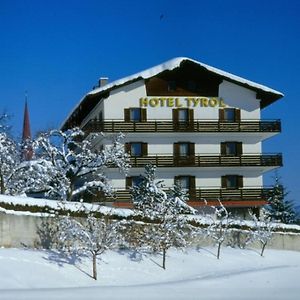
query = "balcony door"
x=187 y=183
x=230 y=115
x=135 y=114
x=232 y=181
x=183 y=119
x=231 y=149
x=184 y=154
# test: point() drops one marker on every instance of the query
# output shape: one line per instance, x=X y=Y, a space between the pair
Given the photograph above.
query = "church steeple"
x=26 y=124
x=26 y=135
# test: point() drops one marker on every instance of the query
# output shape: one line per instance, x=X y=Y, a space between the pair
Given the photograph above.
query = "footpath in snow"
x=194 y=274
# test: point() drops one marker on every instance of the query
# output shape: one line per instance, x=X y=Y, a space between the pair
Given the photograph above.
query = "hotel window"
x=188 y=183
x=183 y=115
x=232 y=181
x=230 y=115
x=135 y=114
x=183 y=149
x=133 y=181
x=192 y=85
x=231 y=148
x=136 y=148
x=171 y=86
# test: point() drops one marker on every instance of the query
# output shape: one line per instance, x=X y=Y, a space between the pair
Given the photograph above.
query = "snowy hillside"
x=239 y=274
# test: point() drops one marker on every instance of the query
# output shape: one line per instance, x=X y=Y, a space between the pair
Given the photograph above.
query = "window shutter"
x=192 y=188
x=144 y=149
x=143 y=114
x=191 y=149
x=176 y=179
x=224 y=182
x=192 y=182
x=128 y=182
x=240 y=181
x=127 y=114
x=239 y=148
x=237 y=115
x=176 y=149
x=175 y=114
x=191 y=115
x=127 y=147
x=221 y=115
x=223 y=148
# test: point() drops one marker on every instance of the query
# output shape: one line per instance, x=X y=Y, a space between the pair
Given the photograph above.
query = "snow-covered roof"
x=173 y=64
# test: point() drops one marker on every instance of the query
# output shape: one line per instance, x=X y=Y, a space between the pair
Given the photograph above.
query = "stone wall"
x=21 y=230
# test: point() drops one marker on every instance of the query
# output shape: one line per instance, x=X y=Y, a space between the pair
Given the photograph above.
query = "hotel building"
x=199 y=125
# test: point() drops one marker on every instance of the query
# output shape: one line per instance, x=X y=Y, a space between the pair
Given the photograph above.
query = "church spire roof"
x=26 y=135
x=26 y=123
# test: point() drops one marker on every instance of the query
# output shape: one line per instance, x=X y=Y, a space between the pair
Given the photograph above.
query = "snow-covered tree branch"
x=89 y=235
x=77 y=170
x=170 y=226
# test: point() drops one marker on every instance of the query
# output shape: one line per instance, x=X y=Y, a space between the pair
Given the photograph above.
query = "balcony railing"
x=167 y=160
x=171 y=126
x=199 y=197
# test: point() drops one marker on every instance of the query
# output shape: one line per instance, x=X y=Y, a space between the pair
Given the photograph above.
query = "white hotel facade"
x=197 y=124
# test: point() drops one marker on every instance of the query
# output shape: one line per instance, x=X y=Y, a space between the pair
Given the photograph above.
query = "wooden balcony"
x=241 y=197
x=204 y=126
x=168 y=160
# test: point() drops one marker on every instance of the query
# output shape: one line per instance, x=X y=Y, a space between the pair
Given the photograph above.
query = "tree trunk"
x=263 y=249
x=2 y=186
x=219 y=250
x=164 y=259
x=94 y=266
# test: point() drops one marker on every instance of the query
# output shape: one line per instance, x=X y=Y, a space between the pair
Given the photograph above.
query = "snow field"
x=193 y=274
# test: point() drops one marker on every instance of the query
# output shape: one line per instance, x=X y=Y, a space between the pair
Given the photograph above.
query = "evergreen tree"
x=279 y=209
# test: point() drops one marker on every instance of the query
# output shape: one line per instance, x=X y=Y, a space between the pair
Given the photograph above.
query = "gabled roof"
x=266 y=94
x=175 y=63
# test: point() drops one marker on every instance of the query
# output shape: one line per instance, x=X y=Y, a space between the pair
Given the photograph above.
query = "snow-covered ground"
x=195 y=274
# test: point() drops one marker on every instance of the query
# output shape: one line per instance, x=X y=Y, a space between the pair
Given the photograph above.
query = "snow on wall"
x=60 y=205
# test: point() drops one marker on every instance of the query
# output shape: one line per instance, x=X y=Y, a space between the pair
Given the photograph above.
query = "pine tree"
x=279 y=209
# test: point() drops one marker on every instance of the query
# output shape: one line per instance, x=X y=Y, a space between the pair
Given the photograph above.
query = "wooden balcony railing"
x=167 y=160
x=171 y=126
x=198 y=197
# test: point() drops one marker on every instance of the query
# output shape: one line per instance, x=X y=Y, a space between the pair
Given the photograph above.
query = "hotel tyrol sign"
x=182 y=102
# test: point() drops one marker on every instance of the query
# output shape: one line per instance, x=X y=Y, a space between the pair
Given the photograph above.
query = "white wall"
x=240 y=97
x=123 y=97
x=129 y=96
x=233 y=95
x=205 y=177
x=209 y=145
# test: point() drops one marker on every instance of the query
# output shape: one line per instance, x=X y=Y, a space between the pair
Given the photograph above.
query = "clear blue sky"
x=57 y=50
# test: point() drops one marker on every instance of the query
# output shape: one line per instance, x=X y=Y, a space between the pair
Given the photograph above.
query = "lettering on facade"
x=182 y=102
